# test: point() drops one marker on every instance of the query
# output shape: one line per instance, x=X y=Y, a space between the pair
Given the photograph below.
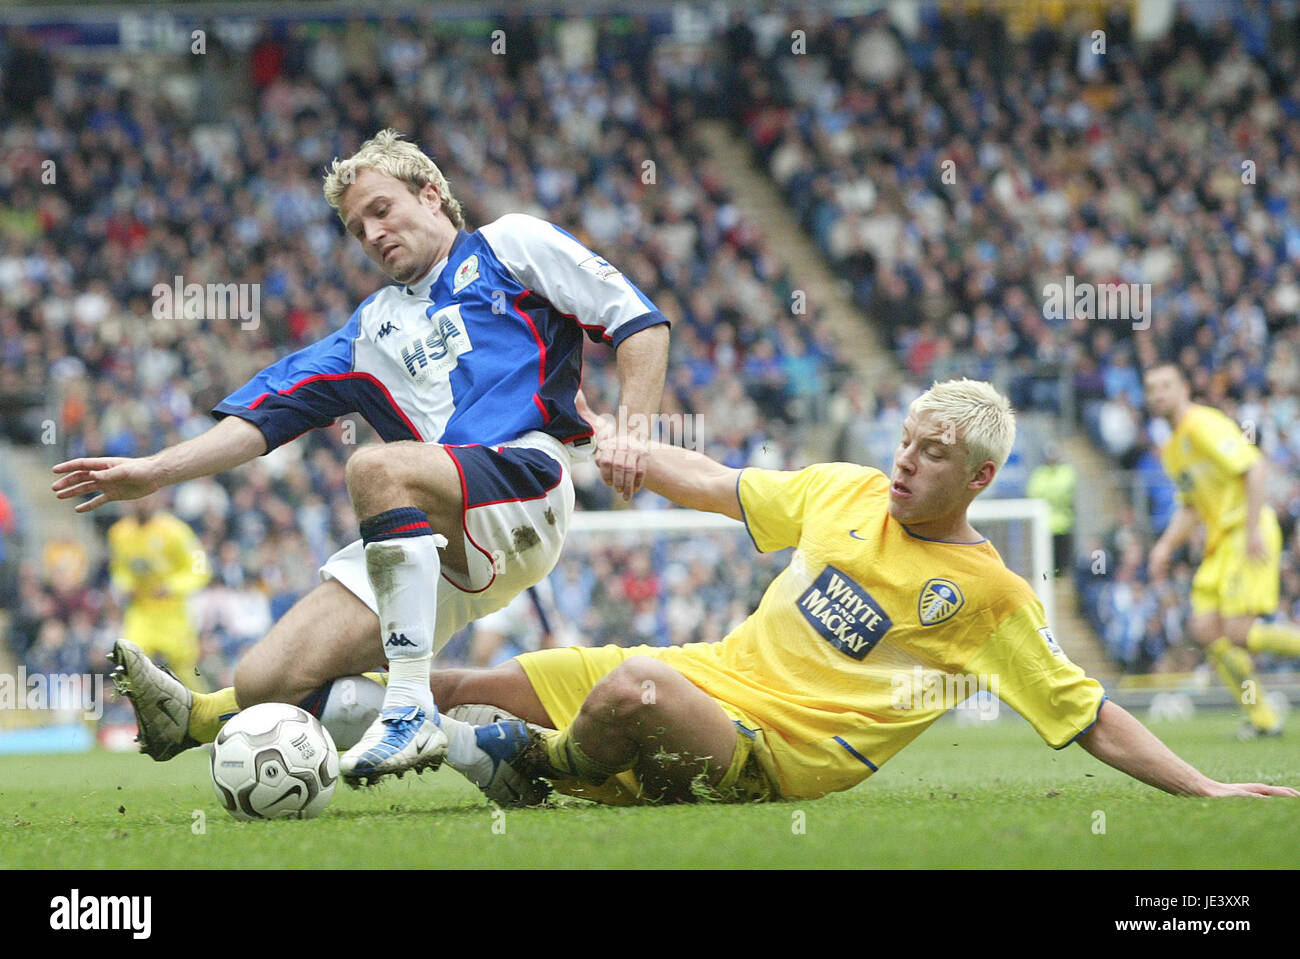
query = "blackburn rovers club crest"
x=940 y=600
x=466 y=273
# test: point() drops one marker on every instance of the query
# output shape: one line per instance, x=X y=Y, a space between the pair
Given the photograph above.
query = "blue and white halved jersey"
x=484 y=349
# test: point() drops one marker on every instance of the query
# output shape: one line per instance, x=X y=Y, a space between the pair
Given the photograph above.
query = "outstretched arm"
x=687 y=478
x=693 y=480
x=1180 y=527
x=1119 y=740
x=1256 y=481
x=231 y=442
x=642 y=361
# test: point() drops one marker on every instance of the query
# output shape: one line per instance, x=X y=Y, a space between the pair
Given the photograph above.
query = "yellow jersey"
x=160 y=555
x=872 y=633
x=158 y=564
x=1206 y=457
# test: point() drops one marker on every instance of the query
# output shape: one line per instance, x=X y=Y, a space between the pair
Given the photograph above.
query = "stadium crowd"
x=949 y=176
x=216 y=179
x=955 y=175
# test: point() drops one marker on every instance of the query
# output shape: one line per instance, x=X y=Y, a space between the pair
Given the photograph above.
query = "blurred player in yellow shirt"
x=1222 y=482
x=893 y=610
x=157 y=562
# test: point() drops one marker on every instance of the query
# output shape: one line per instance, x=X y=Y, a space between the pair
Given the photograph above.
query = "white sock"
x=404 y=574
x=408 y=683
x=352 y=705
x=463 y=752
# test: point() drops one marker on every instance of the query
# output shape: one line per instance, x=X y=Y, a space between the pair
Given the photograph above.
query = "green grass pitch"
x=960 y=796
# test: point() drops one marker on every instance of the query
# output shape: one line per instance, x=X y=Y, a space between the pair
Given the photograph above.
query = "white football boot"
x=403 y=739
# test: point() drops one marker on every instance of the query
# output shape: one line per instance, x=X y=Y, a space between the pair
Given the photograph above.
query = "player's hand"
x=602 y=426
x=1158 y=562
x=112 y=477
x=1222 y=790
x=1255 y=545
x=623 y=462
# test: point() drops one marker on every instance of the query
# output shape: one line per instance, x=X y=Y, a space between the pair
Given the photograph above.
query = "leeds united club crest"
x=940 y=600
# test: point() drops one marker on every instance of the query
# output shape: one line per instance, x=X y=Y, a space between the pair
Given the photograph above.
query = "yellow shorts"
x=164 y=633
x=1230 y=583
x=563 y=677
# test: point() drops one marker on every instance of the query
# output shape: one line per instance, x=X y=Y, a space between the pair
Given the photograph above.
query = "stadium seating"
x=1173 y=163
x=218 y=174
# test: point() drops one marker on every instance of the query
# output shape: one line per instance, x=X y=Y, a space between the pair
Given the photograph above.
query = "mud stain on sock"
x=382 y=559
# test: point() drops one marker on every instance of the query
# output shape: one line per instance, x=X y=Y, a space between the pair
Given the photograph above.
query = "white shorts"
x=518 y=498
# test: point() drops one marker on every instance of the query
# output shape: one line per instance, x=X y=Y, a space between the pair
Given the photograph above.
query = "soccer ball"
x=274 y=761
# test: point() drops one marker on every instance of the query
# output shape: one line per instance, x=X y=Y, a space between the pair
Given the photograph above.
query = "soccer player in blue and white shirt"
x=468 y=369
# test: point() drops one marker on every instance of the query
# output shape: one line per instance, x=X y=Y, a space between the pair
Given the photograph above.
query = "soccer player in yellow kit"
x=1222 y=482
x=888 y=581
x=157 y=561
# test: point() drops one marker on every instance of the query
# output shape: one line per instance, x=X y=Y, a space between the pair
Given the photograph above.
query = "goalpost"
x=1018 y=528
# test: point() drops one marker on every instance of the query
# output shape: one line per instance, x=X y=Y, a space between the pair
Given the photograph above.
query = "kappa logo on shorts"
x=939 y=601
x=844 y=613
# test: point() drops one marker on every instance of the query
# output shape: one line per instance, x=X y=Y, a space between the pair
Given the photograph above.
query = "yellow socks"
x=210 y=712
x=1236 y=670
x=568 y=760
x=1280 y=638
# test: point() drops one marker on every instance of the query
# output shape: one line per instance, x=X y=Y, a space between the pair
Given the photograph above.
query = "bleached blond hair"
x=388 y=153
x=981 y=417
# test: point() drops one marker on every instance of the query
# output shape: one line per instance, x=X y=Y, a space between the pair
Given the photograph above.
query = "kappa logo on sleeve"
x=844 y=613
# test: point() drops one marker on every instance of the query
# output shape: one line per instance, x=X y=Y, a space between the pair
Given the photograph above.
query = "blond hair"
x=982 y=417
x=388 y=153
